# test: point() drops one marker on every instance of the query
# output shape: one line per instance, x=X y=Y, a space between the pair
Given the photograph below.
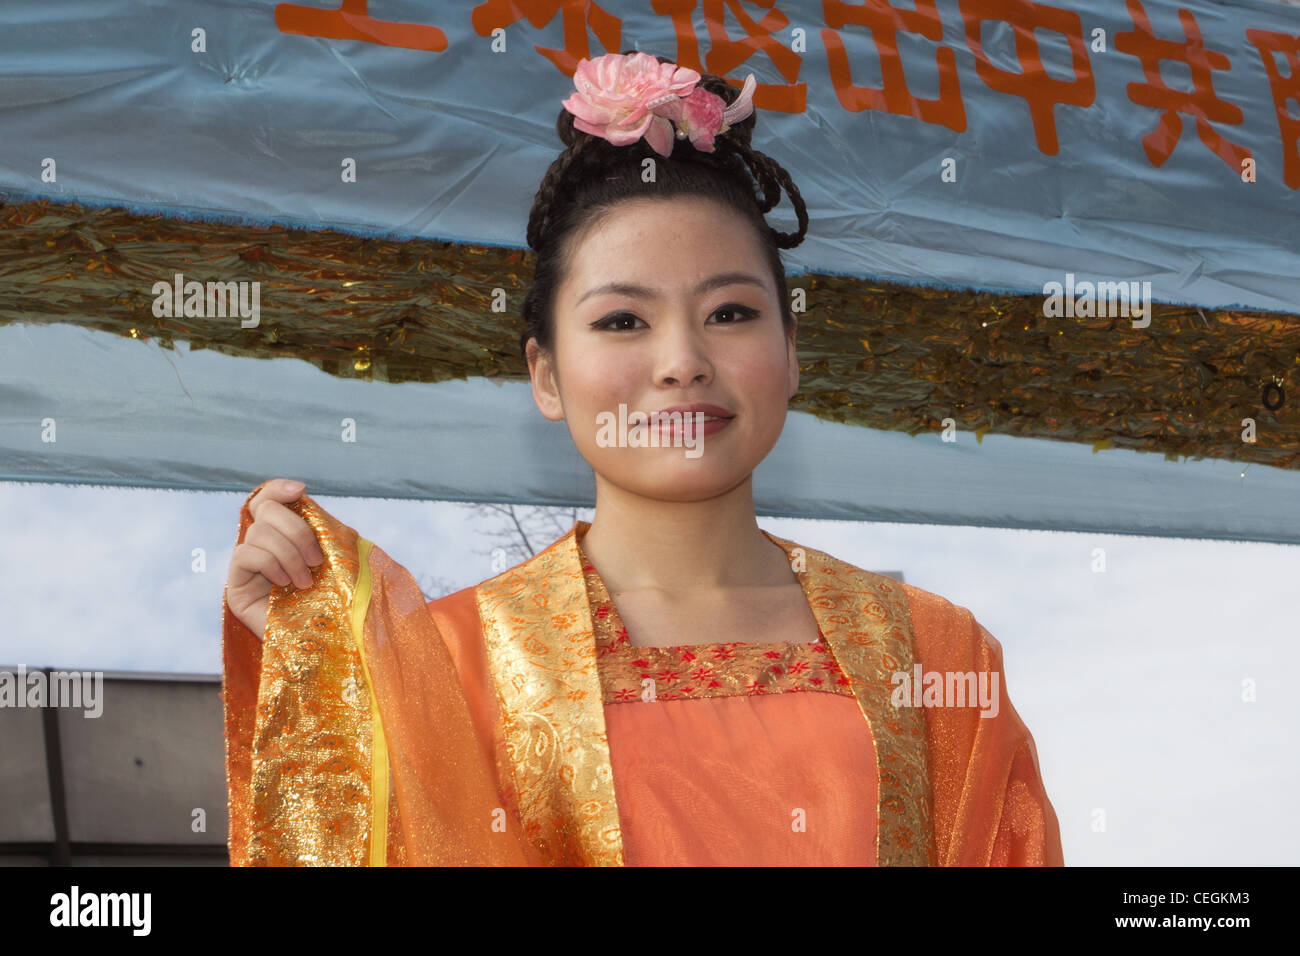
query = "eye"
x=609 y=321
x=743 y=313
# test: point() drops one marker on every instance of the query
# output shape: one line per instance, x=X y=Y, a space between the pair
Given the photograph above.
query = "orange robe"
x=512 y=723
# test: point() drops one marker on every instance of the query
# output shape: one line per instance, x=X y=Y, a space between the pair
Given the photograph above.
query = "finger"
x=295 y=528
x=249 y=562
x=250 y=608
x=268 y=538
x=283 y=490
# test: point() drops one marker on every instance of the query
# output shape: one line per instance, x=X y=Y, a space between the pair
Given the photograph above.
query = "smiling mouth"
x=689 y=415
x=689 y=425
x=689 y=418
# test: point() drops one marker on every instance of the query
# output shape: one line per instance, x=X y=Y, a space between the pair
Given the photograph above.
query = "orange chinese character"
x=1201 y=103
x=576 y=16
x=1040 y=90
x=885 y=21
x=1272 y=45
x=351 y=22
x=725 y=54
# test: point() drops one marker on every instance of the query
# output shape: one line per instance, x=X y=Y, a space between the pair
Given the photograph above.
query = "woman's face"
x=669 y=302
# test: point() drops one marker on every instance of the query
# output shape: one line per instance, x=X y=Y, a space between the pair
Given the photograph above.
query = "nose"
x=681 y=355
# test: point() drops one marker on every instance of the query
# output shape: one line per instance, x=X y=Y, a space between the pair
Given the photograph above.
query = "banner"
x=992 y=144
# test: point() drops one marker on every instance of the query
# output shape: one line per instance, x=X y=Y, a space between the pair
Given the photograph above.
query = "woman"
x=668 y=684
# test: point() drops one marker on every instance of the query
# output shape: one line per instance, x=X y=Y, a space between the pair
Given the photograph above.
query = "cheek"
x=760 y=371
x=603 y=375
x=597 y=383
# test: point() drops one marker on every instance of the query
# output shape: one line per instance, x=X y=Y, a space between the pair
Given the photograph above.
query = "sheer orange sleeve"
x=241 y=668
x=990 y=805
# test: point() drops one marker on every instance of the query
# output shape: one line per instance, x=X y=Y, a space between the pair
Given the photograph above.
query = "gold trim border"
x=379 y=751
x=541 y=647
x=866 y=620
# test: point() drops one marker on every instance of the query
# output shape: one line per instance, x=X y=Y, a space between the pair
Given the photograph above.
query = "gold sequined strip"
x=312 y=744
x=538 y=633
x=865 y=619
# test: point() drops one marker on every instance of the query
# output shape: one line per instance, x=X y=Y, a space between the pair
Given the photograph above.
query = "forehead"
x=665 y=243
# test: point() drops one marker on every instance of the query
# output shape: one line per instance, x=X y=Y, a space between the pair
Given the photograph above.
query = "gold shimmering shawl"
x=353 y=708
x=349 y=708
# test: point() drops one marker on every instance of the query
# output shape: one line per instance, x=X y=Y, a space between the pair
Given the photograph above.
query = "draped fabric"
x=489 y=727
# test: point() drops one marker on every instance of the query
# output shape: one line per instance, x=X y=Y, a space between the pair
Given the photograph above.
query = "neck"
x=642 y=543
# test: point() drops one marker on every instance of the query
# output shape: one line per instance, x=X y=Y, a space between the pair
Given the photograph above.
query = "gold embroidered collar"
x=542 y=650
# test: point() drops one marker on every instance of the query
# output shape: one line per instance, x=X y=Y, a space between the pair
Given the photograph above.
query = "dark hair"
x=592 y=176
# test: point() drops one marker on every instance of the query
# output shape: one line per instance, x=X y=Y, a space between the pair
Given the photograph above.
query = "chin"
x=678 y=478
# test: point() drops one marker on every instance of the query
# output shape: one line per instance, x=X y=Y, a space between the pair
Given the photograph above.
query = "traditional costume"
x=513 y=723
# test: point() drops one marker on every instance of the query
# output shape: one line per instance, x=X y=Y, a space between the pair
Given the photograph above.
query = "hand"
x=279 y=548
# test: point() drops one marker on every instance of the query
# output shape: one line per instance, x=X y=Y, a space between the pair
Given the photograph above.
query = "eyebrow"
x=640 y=291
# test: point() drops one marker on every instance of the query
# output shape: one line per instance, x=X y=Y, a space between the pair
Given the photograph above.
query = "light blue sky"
x=1130 y=680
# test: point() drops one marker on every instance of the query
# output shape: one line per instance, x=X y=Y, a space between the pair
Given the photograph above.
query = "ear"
x=792 y=357
x=546 y=391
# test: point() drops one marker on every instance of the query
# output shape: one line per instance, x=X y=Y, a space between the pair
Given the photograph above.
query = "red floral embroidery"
x=723 y=669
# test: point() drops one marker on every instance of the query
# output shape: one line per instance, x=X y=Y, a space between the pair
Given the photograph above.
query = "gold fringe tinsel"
x=877 y=354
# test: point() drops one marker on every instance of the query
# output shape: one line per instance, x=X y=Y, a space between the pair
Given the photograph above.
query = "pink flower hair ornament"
x=624 y=97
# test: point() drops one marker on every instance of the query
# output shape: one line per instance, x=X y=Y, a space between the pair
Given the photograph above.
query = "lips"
x=710 y=411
